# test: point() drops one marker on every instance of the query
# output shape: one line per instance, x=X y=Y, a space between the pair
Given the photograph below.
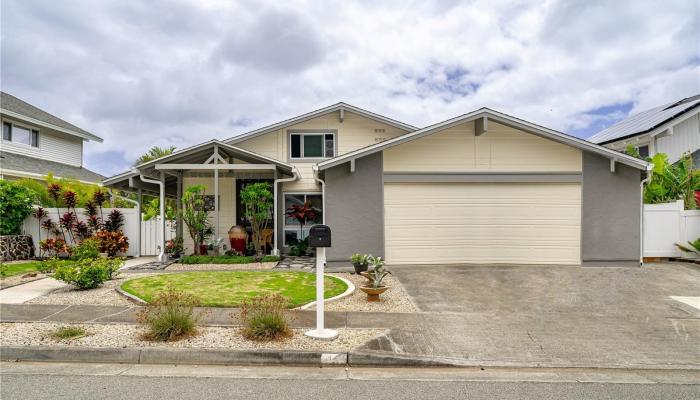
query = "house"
x=35 y=143
x=484 y=187
x=673 y=129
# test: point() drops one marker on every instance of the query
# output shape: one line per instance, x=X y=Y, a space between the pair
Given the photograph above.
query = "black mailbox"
x=320 y=236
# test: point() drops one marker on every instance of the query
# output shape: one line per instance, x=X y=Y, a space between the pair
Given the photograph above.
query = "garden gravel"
x=394 y=300
x=105 y=295
x=222 y=267
x=120 y=335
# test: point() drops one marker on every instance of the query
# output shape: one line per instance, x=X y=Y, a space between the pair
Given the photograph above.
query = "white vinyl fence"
x=130 y=228
x=667 y=224
x=149 y=235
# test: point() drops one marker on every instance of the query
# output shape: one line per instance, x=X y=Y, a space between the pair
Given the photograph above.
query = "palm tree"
x=154 y=153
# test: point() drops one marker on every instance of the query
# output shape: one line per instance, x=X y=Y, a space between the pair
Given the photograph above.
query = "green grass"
x=68 y=332
x=8 y=270
x=231 y=288
x=192 y=259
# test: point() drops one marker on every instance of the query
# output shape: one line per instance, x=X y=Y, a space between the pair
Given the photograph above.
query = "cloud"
x=181 y=72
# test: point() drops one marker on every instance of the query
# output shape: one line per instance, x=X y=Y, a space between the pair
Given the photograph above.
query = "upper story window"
x=20 y=134
x=311 y=145
x=643 y=151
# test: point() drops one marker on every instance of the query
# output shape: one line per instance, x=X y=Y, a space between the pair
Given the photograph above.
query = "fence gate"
x=149 y=235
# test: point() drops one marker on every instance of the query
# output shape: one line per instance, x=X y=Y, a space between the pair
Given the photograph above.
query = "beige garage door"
x=528 y=223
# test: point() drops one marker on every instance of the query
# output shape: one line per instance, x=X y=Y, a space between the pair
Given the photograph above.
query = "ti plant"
x=377 y=273
x=694 y=247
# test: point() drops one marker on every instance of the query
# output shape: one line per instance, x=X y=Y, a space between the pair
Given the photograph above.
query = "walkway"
x=30 y=290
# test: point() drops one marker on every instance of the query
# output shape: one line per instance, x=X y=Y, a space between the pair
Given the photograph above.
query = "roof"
x=11 y=162
x=645 y=121
x=198 y=154
x=313 y=114
x=497 y=117
x=14 y=107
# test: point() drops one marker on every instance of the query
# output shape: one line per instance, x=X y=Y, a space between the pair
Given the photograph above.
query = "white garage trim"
x=455 y=223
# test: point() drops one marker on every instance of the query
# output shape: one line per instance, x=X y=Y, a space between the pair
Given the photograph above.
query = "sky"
x=145 y=73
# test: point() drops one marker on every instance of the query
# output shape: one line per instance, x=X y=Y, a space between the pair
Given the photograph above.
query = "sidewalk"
x=30 y=290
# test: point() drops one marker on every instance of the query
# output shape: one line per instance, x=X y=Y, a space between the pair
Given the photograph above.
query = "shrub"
x=15 y=205
x=263 y=318
x=170 y=316
x=68 y=332
x=49 y=265
x=88 y=273
x=112 y=242
x=88 y=248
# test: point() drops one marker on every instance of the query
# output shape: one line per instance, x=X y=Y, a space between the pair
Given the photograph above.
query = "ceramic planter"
x=373 y=293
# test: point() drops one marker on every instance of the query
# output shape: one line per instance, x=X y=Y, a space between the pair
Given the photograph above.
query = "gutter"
x=641 y=213
x=295 y=172
x=323 y=192
x=161 y=227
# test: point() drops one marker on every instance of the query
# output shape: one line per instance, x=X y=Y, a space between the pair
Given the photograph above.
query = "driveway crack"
x=535 y=342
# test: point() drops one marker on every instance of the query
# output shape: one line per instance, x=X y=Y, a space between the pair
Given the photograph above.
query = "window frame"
x=34 y=133
x=285 y=227
x=639 y=150
x=311 y=132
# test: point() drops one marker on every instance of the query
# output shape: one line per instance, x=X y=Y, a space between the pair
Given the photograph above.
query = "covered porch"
x=223 y=170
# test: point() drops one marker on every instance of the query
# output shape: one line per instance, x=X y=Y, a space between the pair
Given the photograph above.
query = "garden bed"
x=105 y=295
x=194 y=259
x=122 y=335
x=231 y=288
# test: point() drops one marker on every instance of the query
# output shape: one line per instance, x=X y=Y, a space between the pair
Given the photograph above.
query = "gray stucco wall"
x=355 y=208
x=610 y=212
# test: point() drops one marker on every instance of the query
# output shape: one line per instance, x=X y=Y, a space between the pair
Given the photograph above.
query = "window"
x=643 y=151
x=312 y=145
x=292 y=228
x=19 y=134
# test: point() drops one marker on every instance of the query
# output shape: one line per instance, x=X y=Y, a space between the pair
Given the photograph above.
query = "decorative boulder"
x=16 y=247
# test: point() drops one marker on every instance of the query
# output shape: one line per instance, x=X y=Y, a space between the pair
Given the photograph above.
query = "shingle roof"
x=12 y=104
x=17 y=162
x=645 y=121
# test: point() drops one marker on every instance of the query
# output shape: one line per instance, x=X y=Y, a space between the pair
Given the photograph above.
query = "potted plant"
x=360 y=262
x=213 y=246
x=174 y=247
x=375 y=286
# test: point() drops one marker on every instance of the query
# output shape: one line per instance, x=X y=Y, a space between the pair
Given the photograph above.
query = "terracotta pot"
x=372 y=293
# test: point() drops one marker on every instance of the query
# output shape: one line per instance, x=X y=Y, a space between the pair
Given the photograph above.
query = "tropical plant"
x=264 y=319
x=359 y=259
x=257 y=200
x=195 y=216
x=112 y=242
x=54 y=246
x=170 y=316
x=694 y=247
x=15 y=205
x=115 y=221
x=377 y=273
x=671 y=182
x=302 y=213
x=153 y=153
x=40 y=214
x=174 y=247
x=151 y=209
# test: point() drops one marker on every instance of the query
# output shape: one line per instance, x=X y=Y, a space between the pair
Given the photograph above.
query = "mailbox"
x=320 y=236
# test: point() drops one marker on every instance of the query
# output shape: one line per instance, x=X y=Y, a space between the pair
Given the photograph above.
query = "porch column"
x=178 y=205
x=140 y=213
x=216 y=202
x=162 y=216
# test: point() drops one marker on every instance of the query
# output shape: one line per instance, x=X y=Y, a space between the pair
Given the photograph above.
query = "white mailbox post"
x=320 y=238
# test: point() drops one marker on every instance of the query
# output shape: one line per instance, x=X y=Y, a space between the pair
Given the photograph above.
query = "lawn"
x=231 y=288
x=8 y=270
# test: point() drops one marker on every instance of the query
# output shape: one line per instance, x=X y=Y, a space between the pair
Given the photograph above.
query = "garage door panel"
x=482 y=223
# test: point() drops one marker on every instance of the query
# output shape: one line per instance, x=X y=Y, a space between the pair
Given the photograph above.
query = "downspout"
x=641 y=213
x=323 y=193
x=295 y=176
x=137 y=204
x=161 y=228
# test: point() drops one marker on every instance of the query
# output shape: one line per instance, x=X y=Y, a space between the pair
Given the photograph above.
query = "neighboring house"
x=484 y=187
x=35 y=143
x=673 y=129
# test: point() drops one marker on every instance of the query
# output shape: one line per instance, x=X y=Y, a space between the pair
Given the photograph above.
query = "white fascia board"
x=51 y=126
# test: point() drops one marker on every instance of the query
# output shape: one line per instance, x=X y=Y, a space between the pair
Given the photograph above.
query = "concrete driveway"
x=552 y=315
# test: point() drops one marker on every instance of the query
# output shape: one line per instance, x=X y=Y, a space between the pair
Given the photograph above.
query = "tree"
x=154 y=153
x=195 y=216
x=671 y=182
x=257 y=200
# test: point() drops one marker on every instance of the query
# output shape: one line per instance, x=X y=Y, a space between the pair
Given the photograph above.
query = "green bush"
x=15 y=205
x=88 y=248
x=194 y=259
x=263 y=318
x=170 y=316
x=68 y=332
x=88 y=273
x=50 y=265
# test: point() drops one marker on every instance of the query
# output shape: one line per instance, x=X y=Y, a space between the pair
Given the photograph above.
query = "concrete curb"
x=155 y=355
x=350 y=290
x=129 y=296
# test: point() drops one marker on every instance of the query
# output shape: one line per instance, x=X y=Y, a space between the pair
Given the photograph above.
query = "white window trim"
x=25 y=126
x=286 y=227
x=303 y=133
